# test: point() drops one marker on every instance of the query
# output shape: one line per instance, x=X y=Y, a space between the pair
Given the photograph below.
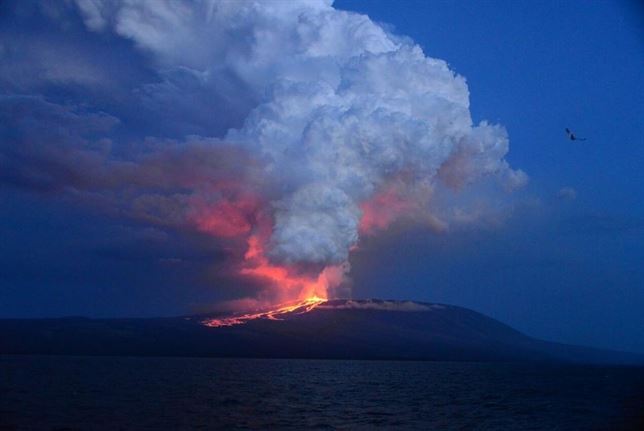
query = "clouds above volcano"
x=311 y=124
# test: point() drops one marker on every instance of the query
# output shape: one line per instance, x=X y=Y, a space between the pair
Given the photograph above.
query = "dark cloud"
x=44 y=145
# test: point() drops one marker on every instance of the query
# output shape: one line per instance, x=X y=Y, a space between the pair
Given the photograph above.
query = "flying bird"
x=572 y=136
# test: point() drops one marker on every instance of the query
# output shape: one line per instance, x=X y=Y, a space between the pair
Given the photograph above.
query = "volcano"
x=314 y=328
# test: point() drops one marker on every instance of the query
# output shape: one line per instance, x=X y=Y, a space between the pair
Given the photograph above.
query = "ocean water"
x=108 y=393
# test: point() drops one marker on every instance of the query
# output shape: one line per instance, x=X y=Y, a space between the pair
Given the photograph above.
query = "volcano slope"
x=334 y=329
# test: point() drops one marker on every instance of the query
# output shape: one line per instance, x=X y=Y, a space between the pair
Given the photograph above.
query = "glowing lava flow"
x=311 y=290
x=298 y=291
x=299 y=307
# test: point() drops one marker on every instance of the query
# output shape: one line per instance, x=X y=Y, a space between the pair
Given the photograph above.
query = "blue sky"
x=571 y=270
x=564 y=268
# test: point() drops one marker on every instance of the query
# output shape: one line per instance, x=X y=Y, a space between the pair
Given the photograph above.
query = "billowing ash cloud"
x=315 y=126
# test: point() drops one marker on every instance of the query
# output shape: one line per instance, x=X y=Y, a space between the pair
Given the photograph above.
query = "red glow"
x=291 y=284
x=237 y=213
x=224 y=219
x=232 y=214
x=383 y=209
x=308 y=290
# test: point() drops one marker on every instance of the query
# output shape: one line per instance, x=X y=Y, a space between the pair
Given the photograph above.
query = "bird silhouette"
x=572 y=136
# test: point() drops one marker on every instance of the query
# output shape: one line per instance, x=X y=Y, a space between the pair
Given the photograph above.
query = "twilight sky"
x=143 y=149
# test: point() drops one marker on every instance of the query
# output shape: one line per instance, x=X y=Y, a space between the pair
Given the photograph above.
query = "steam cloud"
x=303 y=127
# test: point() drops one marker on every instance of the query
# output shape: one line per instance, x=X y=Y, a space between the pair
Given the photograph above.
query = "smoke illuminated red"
x=383 y=209
x=232 y=214
x=238 y=213
x=291 y=284
x=302 y=292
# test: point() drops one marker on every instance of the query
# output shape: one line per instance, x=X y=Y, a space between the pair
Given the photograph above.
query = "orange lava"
x=299 y=307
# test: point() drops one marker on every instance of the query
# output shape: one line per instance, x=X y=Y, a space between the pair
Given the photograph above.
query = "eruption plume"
x=306 y=127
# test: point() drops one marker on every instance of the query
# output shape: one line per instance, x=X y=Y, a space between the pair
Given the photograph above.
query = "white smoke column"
x=340 y=112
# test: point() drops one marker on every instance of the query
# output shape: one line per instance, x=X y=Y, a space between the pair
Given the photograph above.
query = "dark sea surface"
x=112 y=393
